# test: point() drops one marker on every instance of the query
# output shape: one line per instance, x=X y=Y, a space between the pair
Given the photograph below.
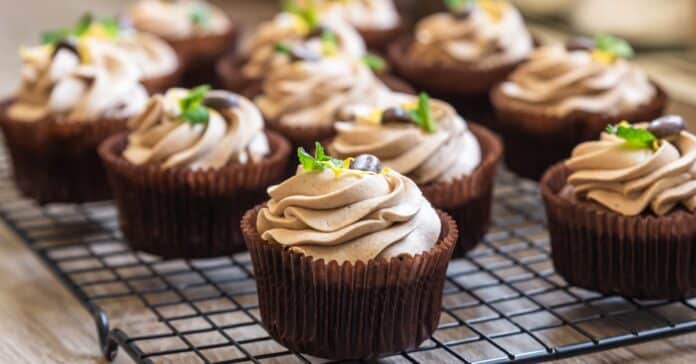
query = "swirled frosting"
x=484 y=39
x=258 y=49
x=153 y=55
x=309 y=93
x=179 y=19
x=450 y=152
x=161 y=136
x=558 y=81
x=369 y=14
x=103 y=82
x=631 y=180
x=349 y=218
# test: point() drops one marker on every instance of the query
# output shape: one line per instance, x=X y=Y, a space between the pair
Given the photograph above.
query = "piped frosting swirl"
x=630 y=180
x=450 y=152
x=78 y=83
x=559 y=81
x=349 y=218
x=369 y=14
x=487 y=37
x=179 y=19
x=232 y=134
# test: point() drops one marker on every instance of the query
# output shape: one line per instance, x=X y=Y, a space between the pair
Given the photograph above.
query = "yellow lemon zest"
x=385 y=171
x=83 y=49
x=411 y=105
x=374 y=117
x=603 y=57
x=329 y=49
x=347 y=161
x=494 y=8
x=34 y=54
x=300 y=25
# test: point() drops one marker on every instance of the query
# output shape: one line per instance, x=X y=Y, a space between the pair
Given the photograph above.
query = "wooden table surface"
x=40 y=322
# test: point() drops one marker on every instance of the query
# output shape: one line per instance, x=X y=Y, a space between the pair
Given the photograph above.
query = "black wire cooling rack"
x=502 y=304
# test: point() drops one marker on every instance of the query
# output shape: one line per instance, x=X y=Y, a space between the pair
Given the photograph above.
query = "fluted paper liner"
x=535 y=141
x=180 y=213
x=56 y=160
x=468 y=199
x=345 y=311
x=645 y=256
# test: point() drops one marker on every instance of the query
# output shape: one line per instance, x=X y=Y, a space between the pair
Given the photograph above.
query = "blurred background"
x=664 y=32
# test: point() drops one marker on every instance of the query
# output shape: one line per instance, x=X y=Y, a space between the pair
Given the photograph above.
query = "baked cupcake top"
x=421 y=138
x=595 y=78
x=313 y=84
x=296 y=27
x=77 y=80
x=179 y=19
x=481 y=34
x=348 y=211
x=635 y=169
x=197 y=129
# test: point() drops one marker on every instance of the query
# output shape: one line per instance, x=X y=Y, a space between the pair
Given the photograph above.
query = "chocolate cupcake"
x=460 y=55
x=452 y=161
x=74 y=93
x=567 y=95
x=300 y=97
x=302 y=28
x=349 y=259
x=621 y=211
x=193 y=164
x=199 y=32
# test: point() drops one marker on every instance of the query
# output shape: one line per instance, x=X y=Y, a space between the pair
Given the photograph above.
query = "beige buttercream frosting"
x=259 y=48
x=484 y=39
x=160 y=135
x=630 y=180
x=102 y=81
x=450 y=152
x=178 y=19
x=349 y=218
x=369 y=14
x=559 y=81
x=309 y=93
x=153 y=55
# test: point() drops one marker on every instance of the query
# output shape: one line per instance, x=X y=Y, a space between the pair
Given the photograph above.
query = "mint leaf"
x=197 y=115
x=613 y=45
x=282 y=48
x=422 y=115
x=634 y=137
x=83 y=24
x=200 y=15
x=456 y=5
x=309 y=163
x=55 y=36
x=375 y=62
x=191 y=105
x=111 y=26
x=81 y=28
x=307 y=13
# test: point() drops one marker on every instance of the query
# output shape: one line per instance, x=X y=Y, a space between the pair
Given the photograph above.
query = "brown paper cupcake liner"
x=348 y=311
x=55 y=160
x=379 y=39
x=230 y=76
x=644 y=257
x=200 y=54
x=534 y=141
x=179 y=213
x=469 y=199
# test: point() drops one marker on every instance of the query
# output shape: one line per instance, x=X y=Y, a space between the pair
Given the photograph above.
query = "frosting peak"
x=349 y=218
x=233 y=133
x=179 y=19
x=630 y=180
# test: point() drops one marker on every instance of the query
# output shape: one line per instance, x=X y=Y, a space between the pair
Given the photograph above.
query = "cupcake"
x=193 y=163
x=349 y=259
x=622 y=211
x=245 y=71
x=377 y=21
x=452 y=161
x=302 y=95
x=198 y=31
x=567 y=95
x=73 y=94
x=459 y=55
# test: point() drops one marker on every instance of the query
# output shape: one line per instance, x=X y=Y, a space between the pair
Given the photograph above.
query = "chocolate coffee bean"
x=580 y=44
x=667 y=126
x=396 y=115
x=317 y=32
x=220 y=100
x=68 y=44
x=367 y=163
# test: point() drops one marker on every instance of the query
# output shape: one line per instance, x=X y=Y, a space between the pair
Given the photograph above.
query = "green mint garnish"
x=455 y=5
x=308 y=14
x=192 y=109
x=634 y=137
x=282 y=48
x=83 y=24
x=200 y=15
x=111 y=26
x=422 y=115
x=317 y=163
x=375 y=62
x=81 y=28
x=329 y=43
x=55 y=36
x=615 y=46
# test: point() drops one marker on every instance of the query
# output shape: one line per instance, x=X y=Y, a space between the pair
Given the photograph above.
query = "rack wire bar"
x=504 y=303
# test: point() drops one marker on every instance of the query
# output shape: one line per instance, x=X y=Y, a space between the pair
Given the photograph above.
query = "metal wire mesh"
x=504 y=303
